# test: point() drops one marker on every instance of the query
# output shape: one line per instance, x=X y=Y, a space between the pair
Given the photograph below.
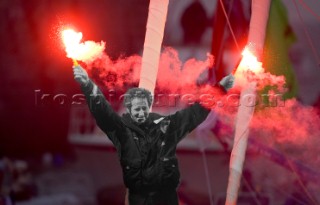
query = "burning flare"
x=249 y=63
x=87 y=51
x=71 y=40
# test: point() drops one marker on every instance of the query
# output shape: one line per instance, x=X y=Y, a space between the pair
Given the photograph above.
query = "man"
x=145 y=142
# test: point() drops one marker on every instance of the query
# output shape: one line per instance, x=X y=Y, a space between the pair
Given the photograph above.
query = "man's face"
x=139 y=110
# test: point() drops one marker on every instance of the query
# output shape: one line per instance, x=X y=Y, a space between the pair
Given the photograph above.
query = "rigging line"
x=252 y=191
x=310 y=42
x=291 y=167
x=309 y=9
x=204 y=158
x=281 y=191
x=296 y=174
x=299 y=180
x=220 y=56
x=282 y=151
x=229 y=25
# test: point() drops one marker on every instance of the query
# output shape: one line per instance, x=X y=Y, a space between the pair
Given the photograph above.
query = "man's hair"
x=137 y=93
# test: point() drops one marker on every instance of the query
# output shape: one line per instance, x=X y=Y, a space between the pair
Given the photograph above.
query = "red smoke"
x=184 y=80
x=288 y=124
x=174 y=77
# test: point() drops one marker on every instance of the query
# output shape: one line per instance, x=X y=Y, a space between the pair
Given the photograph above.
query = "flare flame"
x=87 y=51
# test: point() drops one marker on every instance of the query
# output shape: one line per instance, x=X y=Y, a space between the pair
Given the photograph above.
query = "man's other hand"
x=227 y=82
x=80 y=75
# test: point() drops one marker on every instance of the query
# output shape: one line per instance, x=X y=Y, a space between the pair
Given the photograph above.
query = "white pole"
x=257 y=30
x=157 y=16
x=158 y=10
x=258 y=24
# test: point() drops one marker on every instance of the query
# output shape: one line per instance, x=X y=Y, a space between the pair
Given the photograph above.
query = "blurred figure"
x=6 y=180
x=23 y=187
x=16 y=181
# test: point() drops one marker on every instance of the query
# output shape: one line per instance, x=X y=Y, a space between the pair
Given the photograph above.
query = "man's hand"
x=227 y=82
x=80 y=75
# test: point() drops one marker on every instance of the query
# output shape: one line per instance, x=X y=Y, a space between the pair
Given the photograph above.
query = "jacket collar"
x=152 y=120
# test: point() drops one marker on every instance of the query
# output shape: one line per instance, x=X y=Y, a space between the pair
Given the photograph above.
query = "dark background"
x=33 y=63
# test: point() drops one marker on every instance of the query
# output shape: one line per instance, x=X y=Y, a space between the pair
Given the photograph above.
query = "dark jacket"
x=146 y=152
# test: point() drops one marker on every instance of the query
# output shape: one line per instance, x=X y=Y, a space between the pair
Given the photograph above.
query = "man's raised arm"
x=189 y=118
x=106 y=118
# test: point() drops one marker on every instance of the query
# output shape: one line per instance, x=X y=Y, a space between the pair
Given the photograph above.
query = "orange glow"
x=71 y=40
x=87 y=51
x=250 y=62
